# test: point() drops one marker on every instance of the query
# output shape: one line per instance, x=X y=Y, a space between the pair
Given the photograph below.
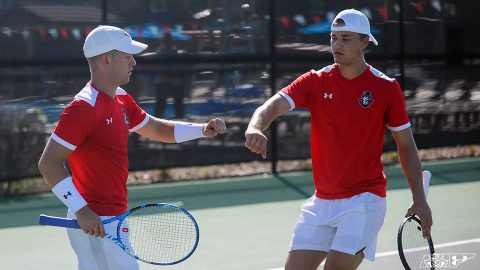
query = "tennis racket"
x=415 y=251
x=160 y=234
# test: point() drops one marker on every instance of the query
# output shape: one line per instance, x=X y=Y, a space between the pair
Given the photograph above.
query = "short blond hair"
x=94 y=59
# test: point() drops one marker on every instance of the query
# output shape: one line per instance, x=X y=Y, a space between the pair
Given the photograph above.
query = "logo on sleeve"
x=109 y=120
x=66 y=195
x=327 y=95
x=125 y=117
x=366 y=99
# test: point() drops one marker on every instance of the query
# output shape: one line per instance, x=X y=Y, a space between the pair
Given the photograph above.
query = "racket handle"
x=58 y=222
x=426 y=181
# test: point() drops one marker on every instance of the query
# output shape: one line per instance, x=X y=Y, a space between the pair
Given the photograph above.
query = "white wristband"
x=67 y=193
x=187 y=131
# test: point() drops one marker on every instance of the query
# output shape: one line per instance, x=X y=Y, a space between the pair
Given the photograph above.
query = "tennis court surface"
x=246 y=223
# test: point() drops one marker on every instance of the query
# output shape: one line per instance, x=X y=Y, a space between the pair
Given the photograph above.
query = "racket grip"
x=58 y=222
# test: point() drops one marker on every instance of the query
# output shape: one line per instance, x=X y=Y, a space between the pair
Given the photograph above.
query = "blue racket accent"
x=160 y=234
x=59 y=222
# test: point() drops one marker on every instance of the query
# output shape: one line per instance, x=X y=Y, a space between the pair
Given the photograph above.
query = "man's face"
x=122 y=65
x=347 y=47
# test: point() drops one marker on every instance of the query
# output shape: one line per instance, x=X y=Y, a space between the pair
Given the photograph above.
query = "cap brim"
x=133 y=47
x=372 y=39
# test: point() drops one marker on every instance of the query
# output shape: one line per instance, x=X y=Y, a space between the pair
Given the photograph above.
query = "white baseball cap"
x=106 y=38
x=354 y=21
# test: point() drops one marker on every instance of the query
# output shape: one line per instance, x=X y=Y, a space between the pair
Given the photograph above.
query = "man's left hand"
x=422 y=210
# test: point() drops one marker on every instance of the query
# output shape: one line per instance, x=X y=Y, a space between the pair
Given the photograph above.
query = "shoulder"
x=88 y=94
x=82 y=108
x=123 y=95
x=381 y=76
x=324 y=71
x=121 y=92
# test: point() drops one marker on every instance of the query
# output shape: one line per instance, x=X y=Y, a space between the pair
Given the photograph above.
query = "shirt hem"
x=382 y=194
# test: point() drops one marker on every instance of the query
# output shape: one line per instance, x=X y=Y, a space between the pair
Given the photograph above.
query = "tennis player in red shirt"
x=92 y=134
x=351 y=105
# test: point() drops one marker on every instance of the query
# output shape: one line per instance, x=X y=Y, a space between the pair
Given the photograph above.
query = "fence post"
x=273 y=87
x=104 y=11
x=401 y=40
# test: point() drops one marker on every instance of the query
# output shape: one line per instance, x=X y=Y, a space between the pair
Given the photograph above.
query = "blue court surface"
x=246 y=223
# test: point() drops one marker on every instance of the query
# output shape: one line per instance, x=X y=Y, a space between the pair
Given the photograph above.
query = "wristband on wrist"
x=187 y=131
x=67 y=193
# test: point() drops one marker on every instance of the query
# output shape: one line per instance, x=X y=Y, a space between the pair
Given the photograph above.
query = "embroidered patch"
x=125 y=117
x=366 y=99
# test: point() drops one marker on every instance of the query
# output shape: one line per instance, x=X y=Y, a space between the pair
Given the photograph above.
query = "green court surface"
x=246 y=223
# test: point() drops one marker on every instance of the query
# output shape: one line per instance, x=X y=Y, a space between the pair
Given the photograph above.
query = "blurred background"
x=224 y=58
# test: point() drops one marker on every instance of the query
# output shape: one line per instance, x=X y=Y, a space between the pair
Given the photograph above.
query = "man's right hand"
x=90 y=222
x=256 y=141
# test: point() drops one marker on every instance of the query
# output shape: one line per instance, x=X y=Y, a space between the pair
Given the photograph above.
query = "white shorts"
x=95 y=253
x=348 y=225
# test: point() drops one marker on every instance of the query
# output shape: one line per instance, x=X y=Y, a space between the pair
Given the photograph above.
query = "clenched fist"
x=256 y=141
x=214 y=127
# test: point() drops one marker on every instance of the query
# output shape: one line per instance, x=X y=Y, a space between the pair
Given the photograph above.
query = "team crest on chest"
x=366 y=99
x=125 y=117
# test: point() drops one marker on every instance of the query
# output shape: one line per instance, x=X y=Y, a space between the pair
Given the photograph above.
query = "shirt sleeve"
x=298 y=93
x=76 y=123
x=396 y=114
x=138 y=117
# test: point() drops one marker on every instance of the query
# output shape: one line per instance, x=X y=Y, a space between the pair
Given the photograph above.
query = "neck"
x=351 y=71
x=104 y=86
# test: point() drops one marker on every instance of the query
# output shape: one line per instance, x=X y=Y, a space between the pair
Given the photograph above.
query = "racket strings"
x=159 y=234
x=416 y=249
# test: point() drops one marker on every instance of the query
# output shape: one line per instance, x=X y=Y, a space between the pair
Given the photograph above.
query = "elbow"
x=44 y=165
x=41 y=165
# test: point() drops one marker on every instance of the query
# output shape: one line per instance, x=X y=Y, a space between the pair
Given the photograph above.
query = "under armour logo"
x=109 y=120
x=446 y=260
x=66 y=195
x=327 y=95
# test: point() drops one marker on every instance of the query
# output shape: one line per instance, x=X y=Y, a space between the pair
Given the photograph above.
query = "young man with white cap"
x=351 y=105
x=92 y=133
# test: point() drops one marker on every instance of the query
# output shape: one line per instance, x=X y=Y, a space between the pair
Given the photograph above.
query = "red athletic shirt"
x=95 y=127
x=348 y=123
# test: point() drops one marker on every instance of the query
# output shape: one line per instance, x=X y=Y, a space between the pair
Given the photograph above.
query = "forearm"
x=412 y=169
x=175 y=131
x=178 y=132
x=52 y=173
x=268 y=112
x=260 y=119
x=159 y=130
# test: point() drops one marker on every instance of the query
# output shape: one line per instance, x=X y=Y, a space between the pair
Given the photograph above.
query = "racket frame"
x=426 y=185
x=413 y=218
x=73 y=224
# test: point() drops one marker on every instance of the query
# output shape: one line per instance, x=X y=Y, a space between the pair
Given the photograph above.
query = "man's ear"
x=365 y=42
x=107 y=58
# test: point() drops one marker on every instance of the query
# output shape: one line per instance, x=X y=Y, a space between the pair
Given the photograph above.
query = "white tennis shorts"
x=348 y=225
x=95 y=253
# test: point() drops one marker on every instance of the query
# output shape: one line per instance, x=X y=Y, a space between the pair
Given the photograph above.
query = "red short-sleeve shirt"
x=348 y=123
x=95 y=127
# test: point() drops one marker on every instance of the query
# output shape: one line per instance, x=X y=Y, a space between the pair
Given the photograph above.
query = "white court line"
x=395 y=252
